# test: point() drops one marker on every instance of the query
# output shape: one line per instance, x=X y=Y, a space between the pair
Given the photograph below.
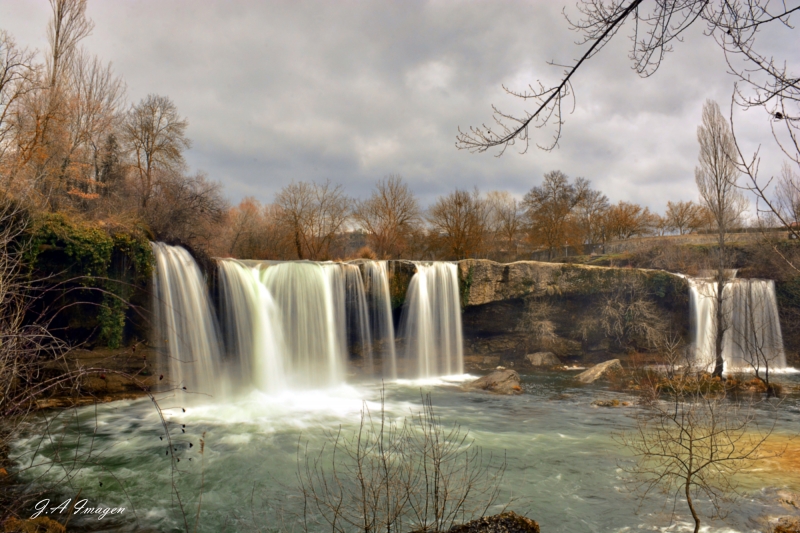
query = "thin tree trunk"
x=719 y=362
x=691 y=504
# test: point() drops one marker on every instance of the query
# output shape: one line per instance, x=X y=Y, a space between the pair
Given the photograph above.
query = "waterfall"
x=252 y=327
x=431 y=322
x=185 y=327
x=310 y=300
x=376 y=275
x=296 y=324
x=750 y=317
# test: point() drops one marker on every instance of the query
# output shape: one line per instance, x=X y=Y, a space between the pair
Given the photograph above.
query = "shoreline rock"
x=508 y=522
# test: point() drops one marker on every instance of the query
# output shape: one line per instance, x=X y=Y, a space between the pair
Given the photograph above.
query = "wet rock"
x=543 y=359
x=611 y=403
x=499 y=382
x=509 y=522
x=786 y=524
x=598 y=371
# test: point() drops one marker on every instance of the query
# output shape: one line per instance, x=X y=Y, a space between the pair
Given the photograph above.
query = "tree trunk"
x=691 y=504
x=719 y=362
x=297 y=243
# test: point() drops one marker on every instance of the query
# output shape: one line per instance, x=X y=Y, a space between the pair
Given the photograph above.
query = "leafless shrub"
x=629 y=316
x=397 y=476
x=536 y=324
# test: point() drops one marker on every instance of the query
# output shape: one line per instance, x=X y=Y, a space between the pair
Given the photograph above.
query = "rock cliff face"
x=581 y=313
x=485 y=281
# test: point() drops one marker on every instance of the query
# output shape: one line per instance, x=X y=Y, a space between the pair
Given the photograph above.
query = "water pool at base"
x=564 y=467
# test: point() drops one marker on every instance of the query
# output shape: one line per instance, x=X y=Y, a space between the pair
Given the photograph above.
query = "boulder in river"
x=784 y=524
x=598 y=371
x=500 y=382
x=543 y=359
x=611 y=403
x=508 y=522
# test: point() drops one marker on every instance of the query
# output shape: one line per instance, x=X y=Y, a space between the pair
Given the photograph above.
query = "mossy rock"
x=41 y=524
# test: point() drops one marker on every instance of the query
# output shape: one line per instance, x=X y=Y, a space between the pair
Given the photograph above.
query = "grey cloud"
x=353 y=91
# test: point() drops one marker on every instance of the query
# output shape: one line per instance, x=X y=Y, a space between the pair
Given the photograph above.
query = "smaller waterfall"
x=376 y=276
x=431 y=322
x=185 y=327
x=752 y=334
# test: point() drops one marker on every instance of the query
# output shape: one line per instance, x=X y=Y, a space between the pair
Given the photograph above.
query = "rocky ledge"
x=485 y=281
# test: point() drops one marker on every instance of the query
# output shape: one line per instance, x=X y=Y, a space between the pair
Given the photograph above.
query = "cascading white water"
x=185 y=327
x=431 y=322
x=357 y=313
x=310 y=300
x=376 y=275
x=750 y=317
x=252 y=326
x=290 y=325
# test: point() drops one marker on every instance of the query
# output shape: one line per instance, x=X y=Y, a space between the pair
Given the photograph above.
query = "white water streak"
x=751 y=321
x=431 y=323
x=185 y=327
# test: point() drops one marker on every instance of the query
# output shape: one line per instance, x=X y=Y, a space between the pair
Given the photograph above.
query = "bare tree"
x=156 y=135
x=763 y=81
x=537 y=327
x=243 y=223
x=314 y=213
x=630 y=317
x=185 y=209
x=788 y=197
x=691 y=443
x=51 y=144
x=550 y=207
x=95 y=97
x=590 y=214
x=682 y=216
x=660 y=225
x=67 y=28
x=625 y=220
x=504 y=223
x=459 y=220
x=716 y=179
x=17 y=77
x=389 y=215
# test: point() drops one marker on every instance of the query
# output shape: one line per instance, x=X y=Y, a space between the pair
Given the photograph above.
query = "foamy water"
x=563 y=464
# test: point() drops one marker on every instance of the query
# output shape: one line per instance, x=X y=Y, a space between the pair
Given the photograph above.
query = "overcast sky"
x=354 y=91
